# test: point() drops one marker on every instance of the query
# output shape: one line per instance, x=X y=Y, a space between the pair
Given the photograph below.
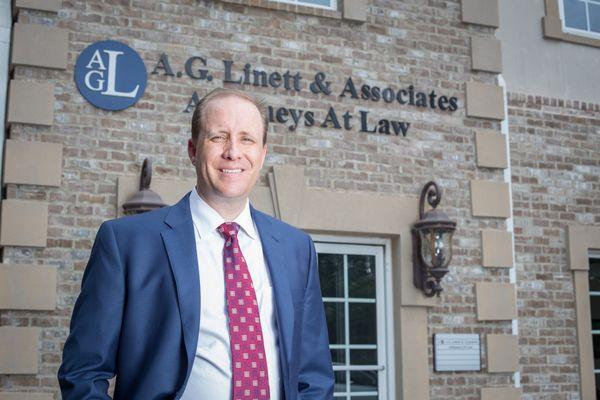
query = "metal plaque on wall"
x=456 y=352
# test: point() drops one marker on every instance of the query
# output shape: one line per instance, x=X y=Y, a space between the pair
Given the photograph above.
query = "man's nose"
x=232 y=150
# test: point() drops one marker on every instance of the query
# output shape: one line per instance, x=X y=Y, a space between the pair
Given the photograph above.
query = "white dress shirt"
x=210 y=378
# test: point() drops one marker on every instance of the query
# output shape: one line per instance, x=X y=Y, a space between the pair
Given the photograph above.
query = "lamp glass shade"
x=436 y=247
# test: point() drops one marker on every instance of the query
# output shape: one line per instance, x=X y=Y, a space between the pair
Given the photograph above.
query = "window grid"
x=332 y=4
x=588 y=32
x=595 y=332
x=355 y=346
x=354 y=395
x=350 y=300
x=347 y=368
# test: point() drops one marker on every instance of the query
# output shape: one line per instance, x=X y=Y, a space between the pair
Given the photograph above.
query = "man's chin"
x=233 y=196
x=224 y=196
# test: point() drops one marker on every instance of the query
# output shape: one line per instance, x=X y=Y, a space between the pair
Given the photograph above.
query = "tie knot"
x=228 y=229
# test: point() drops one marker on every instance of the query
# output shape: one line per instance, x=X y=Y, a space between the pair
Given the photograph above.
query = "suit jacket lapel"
x=273 y=250
x=180 y=244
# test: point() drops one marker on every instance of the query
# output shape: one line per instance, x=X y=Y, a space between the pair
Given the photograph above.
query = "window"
x=581 y=17
x=328 y=4
x=594 y=279
x=353 y=280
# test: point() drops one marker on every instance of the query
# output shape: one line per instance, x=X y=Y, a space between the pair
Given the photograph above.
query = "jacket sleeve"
x=90 y=352
x=315 y=378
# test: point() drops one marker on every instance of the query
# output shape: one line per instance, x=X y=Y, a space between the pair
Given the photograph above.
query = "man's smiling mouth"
x=231 y=171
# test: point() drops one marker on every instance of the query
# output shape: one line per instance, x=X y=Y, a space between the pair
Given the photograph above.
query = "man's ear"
x=192 y=151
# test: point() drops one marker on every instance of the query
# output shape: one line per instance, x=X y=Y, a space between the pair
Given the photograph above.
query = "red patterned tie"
x=248 y=359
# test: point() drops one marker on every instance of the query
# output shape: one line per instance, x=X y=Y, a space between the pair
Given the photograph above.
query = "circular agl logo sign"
x=110 y=75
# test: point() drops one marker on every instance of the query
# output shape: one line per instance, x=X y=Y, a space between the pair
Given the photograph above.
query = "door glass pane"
x=340 y=381
x=334 y=313
x=331 y=274
x=594 y=280
x=575 y=16
x=596 y=339
x=594 y=14
x=595 y=311
x=361 y=276
x=338 y=356
x=363 y=381
x=363 y=357
x=594 y=274
x=363 y=323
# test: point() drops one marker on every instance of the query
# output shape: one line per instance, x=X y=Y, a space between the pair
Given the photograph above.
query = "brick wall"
x=403 y=42
x=555 y=158
x=420 y=43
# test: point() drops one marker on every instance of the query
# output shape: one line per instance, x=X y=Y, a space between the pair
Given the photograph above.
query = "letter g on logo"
x=110 y=75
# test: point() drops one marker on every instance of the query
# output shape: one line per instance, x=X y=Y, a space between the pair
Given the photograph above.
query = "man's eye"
x=248 y=140
x=218 y=138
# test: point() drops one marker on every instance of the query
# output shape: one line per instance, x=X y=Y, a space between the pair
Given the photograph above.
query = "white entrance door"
x=352 y=283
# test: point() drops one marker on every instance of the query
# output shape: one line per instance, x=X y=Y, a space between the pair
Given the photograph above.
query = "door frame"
x=388 y=287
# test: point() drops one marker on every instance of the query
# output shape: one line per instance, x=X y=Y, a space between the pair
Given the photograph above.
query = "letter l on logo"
x=112 y=71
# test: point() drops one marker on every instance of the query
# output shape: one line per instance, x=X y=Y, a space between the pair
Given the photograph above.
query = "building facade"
x=498 y=101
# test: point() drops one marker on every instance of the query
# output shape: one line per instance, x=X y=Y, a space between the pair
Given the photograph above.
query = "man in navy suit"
x=208 y=299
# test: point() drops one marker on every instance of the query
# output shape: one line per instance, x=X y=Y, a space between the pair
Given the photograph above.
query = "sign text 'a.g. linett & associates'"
x=292 y=81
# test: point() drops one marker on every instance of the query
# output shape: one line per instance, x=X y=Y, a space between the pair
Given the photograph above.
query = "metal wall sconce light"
x=145 y=199
x=432 y=243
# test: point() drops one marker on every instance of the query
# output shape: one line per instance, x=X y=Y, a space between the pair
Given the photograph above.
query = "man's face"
x=229 y=152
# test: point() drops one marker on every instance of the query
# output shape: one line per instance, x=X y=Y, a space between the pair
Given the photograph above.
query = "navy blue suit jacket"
x=138 y=315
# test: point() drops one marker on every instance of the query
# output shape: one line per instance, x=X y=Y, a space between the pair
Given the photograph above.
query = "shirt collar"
x=207 y=219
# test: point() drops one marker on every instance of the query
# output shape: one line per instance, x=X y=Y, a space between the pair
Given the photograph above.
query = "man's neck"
x=229 y=209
